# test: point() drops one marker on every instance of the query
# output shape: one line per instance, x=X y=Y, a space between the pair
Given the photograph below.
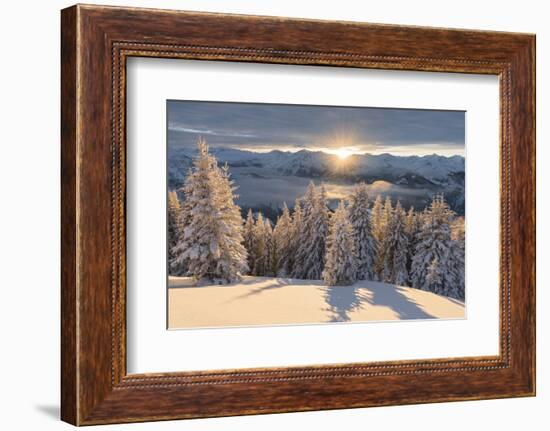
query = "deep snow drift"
x=276 y=301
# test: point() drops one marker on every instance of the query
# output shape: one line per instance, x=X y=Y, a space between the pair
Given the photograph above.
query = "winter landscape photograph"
x=302 y=214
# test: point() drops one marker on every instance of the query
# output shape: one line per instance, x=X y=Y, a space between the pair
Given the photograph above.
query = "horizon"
x=337 y=130
x=288 y=151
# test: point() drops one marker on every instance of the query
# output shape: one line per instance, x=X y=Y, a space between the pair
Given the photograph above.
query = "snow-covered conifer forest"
x=364 y=239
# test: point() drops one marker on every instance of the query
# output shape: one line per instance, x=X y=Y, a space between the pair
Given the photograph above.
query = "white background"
x=29 y=219
x=151 y=348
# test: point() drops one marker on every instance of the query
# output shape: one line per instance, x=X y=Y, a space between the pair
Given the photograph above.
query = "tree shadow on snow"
x=393 y=298
x=343 y=300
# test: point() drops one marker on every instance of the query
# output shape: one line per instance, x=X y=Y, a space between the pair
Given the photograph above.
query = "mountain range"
x=266 y=180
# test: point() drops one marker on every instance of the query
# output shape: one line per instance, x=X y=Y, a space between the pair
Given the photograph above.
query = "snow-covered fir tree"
x=248 y=239
x=387 y=214
x=297 y=217
x=310 y=256
x=305 y=206
x=433 y=253
x=340 y=261
x=377 y=213
x=383 y=217
x=365 y=244
x=396 y=249
x=435 y=275
x=282 y=237
x=458 y=255
x=296 y=230
x=233 y=261
x=378 y=231
x=259 y=250
x=211 y=244
x=270 y=250
x=412 y=228
x=174 y=224
x=178 y=265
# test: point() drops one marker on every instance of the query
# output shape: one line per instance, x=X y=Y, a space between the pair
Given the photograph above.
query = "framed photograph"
x=266 y=215
x=297 y=214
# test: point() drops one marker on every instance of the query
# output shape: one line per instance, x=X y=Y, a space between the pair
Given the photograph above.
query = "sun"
x=343 y=153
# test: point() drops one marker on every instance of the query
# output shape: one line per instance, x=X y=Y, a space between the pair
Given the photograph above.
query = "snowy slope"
x=280 y=301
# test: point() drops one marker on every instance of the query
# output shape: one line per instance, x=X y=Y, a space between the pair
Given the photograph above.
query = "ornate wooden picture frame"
x=96 y=41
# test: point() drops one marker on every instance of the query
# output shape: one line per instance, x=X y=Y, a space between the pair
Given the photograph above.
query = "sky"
x=337 y=130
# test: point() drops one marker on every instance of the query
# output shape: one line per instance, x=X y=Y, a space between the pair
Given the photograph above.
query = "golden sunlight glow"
x=343 y=153
x=342 y=142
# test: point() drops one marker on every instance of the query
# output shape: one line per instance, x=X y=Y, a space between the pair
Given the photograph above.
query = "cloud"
x=262 y=127
x=177 y=128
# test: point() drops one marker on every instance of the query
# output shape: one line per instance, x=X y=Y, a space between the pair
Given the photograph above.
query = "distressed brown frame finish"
x=96 y=41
